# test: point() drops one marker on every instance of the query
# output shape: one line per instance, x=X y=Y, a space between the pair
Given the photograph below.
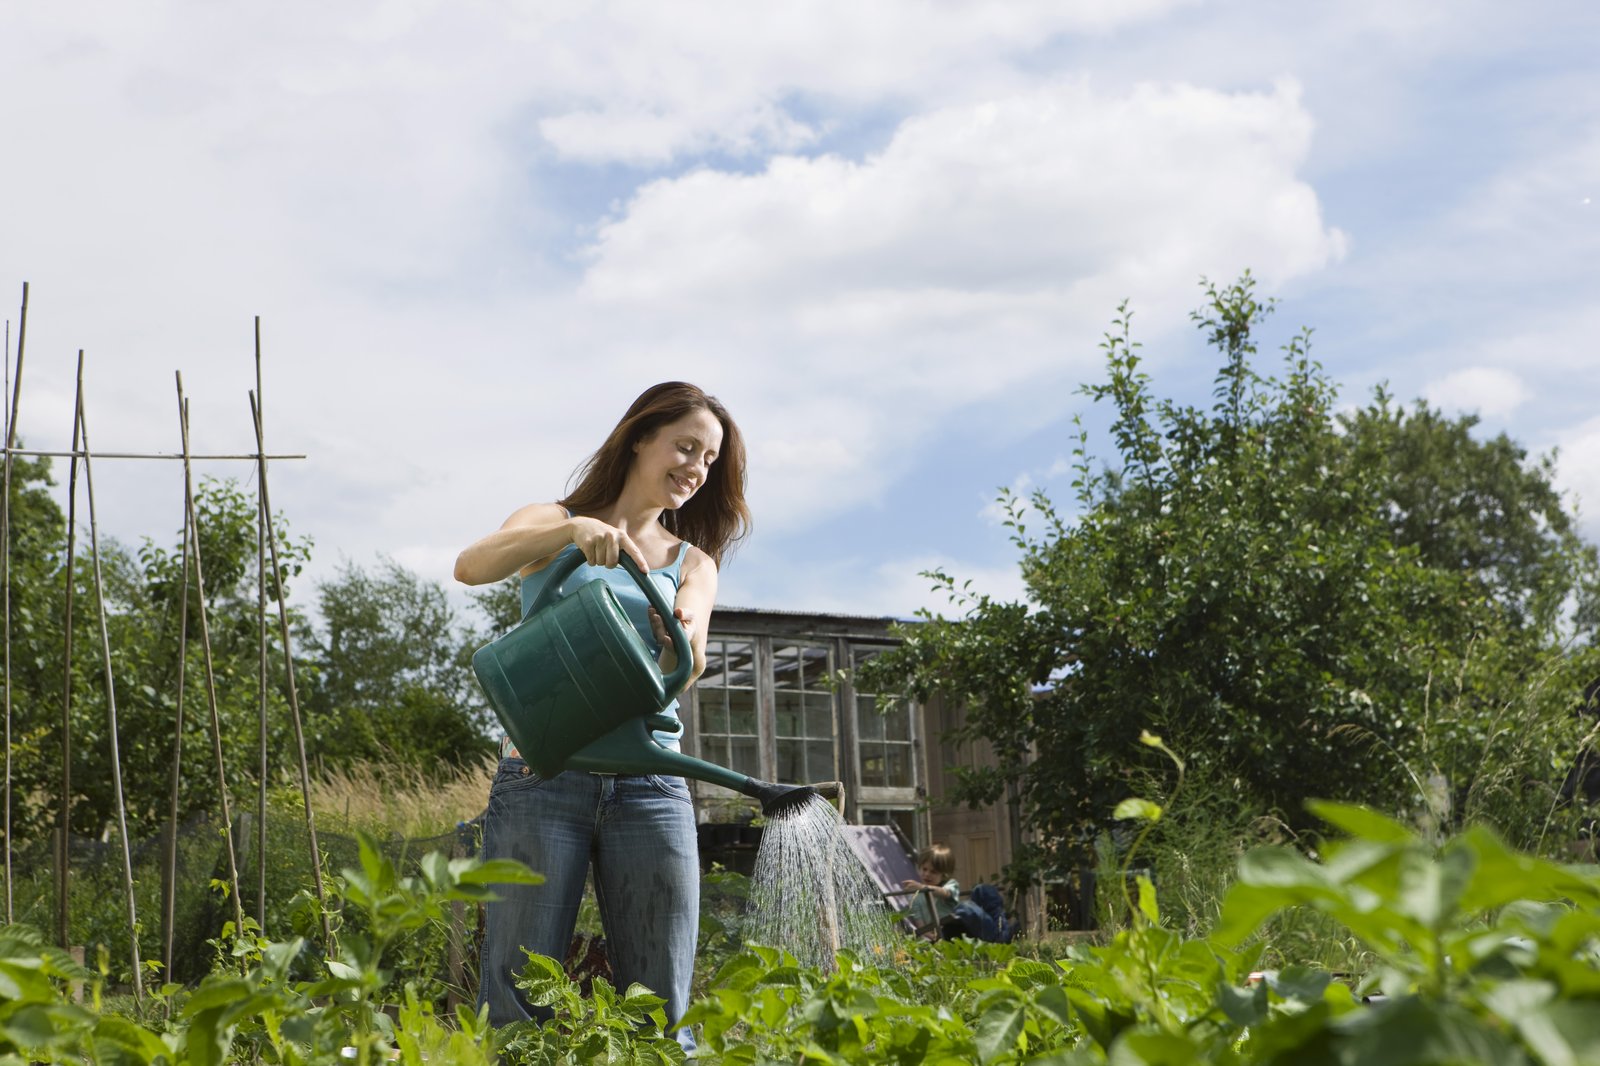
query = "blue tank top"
x=629 y=595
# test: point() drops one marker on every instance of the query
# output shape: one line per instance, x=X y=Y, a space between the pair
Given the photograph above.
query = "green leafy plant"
x=605 y=1026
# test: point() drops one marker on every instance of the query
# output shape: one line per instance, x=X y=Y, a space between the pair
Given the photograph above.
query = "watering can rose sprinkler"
x=576 y=688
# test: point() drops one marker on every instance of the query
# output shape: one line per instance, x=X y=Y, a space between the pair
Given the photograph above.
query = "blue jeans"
x=639 y=832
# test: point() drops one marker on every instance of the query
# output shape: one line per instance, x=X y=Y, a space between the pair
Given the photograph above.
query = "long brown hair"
x=716 y=517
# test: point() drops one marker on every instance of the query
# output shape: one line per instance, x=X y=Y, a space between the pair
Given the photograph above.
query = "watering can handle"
x=568 y=561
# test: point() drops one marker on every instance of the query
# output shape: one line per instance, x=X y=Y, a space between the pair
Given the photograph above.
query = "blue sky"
x=888 y=235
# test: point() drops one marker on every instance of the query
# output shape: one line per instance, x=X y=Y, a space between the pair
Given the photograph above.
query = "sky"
x=889 y=236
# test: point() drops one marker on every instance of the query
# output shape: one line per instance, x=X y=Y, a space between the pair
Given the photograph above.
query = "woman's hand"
x=603 y=544
x=669 y=652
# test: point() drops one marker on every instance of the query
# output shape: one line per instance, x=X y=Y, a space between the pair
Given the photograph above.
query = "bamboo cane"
x=211 y=679
x=45 y=454
x=5 y=583
x=111 y=701
x=64 y=815
x=14 y=387
x=288 y=665
x=261 y=676
x=169 y=882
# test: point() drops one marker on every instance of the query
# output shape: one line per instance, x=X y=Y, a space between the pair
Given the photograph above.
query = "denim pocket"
x=514 y=775
x=674 y=787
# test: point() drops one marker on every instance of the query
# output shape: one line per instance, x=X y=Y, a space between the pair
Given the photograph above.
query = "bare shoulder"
x=698 y=563
x=535 y=514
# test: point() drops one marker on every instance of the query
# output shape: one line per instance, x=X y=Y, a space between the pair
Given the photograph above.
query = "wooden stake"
x=211 y=678
x=288 y=665
x=111 y=700
x=251 y=456
x=64 y=815
x=5 y=557
x=261 y=687
x=169 y=874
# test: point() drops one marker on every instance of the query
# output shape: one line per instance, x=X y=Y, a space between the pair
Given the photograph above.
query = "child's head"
x=936 y=859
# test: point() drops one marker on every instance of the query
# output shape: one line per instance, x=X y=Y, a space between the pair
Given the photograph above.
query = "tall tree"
x=1246 y=580
x=1481 y=506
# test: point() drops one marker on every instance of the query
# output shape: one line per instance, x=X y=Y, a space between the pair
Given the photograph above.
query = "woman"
x=667 y=488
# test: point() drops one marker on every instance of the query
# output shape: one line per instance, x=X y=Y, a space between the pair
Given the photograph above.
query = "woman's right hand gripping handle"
x=533 y=535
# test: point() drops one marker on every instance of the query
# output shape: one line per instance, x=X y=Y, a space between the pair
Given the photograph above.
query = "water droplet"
x=810 y=895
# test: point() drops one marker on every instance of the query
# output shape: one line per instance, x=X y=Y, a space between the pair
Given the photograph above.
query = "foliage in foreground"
x=281 y=1002
x=1483 y=955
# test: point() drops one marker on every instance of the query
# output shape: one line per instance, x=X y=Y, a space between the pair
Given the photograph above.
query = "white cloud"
x=1489 y=391
x=373 y=182
x=956 y=265
x=648 y=82
x=864 y=586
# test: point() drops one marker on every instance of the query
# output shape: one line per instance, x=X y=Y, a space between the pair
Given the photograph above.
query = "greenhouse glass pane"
x=819 y=715
x=815 y=664
x=819 y=760
x=869 y=723
x=788 y=710
x=744 y=756
x=899 y=765
x=786 y=667
x=791 y=762
x=739 y=662
x=741 y=716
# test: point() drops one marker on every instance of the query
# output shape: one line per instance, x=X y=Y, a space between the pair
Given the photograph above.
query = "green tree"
x=145 y=612
x=144 y=606
x=1258 y=582
x=1482 y=507
x=391 y=674
x=37 y=554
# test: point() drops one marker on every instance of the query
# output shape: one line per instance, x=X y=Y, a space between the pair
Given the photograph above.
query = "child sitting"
x=937 y=893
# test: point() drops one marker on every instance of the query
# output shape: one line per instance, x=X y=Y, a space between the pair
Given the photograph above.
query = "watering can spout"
x=631 y=749
x=776 y=799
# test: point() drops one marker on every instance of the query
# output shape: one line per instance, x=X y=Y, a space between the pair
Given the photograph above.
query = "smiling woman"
x=667 y=489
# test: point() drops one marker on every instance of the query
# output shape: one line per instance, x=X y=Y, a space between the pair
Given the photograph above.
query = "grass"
x=388 y=800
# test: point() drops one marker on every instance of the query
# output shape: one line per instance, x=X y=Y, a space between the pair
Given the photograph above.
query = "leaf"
x=1051 y=1001
x=1142 y=809
x=1303 y=983
x=1244 y=1007
x=1409 y=1031
x=499 y=872
x=1361 y=822
x=997 y=1030
x=1431 y=890
x=1153 y=1047
x=1503 y=876
x=1147 y=900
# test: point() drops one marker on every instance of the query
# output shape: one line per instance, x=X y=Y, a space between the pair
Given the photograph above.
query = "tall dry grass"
x=388 y=800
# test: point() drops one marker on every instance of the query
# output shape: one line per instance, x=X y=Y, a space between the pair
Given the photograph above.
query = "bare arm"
x=535 y=533
x=697 y=595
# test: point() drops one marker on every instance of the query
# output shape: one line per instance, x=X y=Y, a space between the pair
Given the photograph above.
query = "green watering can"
x=576 y=688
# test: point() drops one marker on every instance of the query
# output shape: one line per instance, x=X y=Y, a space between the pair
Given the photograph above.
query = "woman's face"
x=672 y=464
